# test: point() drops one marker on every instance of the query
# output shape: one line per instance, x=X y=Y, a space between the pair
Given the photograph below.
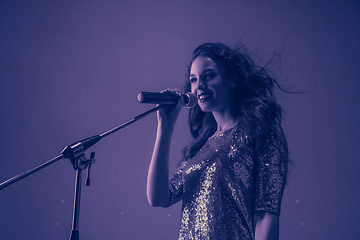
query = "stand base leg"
x=74 y=235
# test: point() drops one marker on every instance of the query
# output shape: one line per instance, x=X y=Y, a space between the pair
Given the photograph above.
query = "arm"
x=158 y=175
x=271 y=179
x=266 y=226
x=158 y=193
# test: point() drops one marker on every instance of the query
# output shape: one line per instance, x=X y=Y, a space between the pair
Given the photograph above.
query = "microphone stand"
x=76 y=153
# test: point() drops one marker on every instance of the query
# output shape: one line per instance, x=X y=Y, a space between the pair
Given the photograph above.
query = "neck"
x=225 y=120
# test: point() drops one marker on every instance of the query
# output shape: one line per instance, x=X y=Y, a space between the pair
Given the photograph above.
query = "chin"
x=205 y=107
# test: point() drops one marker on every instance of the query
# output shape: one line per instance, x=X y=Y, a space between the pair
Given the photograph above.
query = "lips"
x=204 y=97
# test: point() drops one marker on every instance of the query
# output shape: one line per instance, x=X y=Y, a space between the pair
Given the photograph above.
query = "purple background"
x=73 y=69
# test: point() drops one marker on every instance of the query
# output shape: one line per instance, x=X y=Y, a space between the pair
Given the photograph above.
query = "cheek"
x=223 y=91
x=192 y=89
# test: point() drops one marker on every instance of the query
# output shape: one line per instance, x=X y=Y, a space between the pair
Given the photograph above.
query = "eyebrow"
x=205 y=71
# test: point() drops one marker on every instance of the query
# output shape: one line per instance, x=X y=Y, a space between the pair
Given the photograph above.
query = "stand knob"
x=91 y=160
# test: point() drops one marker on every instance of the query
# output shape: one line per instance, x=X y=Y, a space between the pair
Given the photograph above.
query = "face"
x=210 y=85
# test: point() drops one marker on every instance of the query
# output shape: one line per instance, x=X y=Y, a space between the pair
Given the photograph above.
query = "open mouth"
x=204 y=97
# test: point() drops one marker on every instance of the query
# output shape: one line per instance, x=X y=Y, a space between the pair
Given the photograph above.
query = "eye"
x=193 y=79
x=209 y=75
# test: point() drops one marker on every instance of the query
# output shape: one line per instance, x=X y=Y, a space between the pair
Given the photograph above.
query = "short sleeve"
x=176 y=186
x=272 y=160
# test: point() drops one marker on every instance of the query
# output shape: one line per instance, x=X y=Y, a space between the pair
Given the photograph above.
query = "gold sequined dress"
x=226 y=182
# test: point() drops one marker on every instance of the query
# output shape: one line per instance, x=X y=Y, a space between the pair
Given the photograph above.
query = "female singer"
x=233 y=174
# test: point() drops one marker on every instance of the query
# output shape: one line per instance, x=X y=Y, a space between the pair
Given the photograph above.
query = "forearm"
x=158 y=175
x=266 y=226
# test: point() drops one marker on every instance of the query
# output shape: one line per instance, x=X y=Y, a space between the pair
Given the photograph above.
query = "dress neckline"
x=223 y=132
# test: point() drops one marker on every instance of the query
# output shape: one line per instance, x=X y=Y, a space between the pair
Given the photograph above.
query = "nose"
x=200 y=84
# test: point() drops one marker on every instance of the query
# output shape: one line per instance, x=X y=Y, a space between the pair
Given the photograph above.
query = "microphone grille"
x=191 y=100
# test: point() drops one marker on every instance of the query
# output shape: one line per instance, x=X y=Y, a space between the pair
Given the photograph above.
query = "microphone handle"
x=157 y=98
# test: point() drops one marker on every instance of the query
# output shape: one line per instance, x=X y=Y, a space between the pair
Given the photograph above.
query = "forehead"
x=203 y=63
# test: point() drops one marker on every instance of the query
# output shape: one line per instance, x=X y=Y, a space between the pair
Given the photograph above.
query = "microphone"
x=188 y=100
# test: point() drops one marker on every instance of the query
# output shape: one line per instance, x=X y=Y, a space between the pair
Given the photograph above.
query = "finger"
x=174 y=91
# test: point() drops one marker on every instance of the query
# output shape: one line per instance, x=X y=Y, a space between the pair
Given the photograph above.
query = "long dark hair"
x=253 y=98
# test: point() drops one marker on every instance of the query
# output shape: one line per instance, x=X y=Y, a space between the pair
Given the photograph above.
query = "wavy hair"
x=253 y=98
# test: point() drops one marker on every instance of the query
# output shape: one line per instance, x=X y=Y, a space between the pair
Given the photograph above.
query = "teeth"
x=204 y=96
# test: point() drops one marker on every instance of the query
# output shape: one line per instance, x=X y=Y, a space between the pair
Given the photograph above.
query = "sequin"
x=226 y=182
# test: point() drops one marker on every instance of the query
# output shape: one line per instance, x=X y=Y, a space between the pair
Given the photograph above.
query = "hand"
x=266 y=225
x=168 y=115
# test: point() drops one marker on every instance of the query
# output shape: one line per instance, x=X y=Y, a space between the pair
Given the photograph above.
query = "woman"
x=232 y=178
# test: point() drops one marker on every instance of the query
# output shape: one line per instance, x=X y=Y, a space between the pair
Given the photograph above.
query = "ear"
x=233 y=81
